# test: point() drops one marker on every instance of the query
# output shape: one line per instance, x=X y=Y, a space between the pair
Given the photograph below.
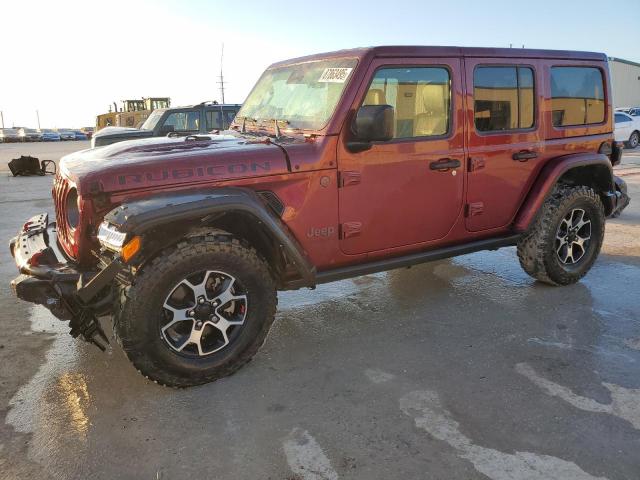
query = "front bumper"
x=68 y=291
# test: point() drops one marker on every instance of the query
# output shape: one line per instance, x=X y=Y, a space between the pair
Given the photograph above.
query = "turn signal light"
x=130 y=249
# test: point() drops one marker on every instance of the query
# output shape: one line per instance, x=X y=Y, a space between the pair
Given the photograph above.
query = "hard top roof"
x=437 y=51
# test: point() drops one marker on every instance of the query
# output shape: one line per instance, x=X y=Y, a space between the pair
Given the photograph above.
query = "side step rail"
x=415 y=258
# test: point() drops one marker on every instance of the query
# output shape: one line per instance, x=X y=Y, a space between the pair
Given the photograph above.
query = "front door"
x=399 y=192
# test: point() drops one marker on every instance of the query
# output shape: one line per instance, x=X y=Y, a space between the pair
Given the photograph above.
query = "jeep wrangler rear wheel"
x=566 y=238
x=198 y=312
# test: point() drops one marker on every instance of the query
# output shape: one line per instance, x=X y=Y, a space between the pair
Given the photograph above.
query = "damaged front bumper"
x=69 y=292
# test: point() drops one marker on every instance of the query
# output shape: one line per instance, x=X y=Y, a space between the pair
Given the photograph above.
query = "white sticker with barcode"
x=335 y=75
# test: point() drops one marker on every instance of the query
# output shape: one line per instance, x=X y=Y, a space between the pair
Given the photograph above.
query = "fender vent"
x=273 y=201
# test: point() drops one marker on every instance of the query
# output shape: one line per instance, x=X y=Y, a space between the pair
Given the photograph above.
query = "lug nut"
x=190 y=313
x=198 y=324
x=201 y=301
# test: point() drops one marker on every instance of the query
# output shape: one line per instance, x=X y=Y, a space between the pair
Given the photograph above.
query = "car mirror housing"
x=372 y=123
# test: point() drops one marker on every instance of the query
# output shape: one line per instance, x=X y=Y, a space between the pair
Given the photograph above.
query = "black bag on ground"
x=28 y=165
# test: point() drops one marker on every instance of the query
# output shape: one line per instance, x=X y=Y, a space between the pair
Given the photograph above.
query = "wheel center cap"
x=203 y=312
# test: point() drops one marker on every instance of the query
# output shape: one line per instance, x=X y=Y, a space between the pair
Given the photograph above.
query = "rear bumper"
x=622 y=198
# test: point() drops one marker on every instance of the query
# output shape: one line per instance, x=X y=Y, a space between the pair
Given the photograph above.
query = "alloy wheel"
x=204 y=313
x=573 y=237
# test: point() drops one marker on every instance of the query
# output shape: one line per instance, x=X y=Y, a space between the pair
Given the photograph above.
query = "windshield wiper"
x=276 y=125
x=244 y=119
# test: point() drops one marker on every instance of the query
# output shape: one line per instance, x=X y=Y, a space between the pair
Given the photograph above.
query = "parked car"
x=80 y=135
x=29 y=135
x=179 y=121
x=88 y=131
x=66 y=134
x=633 y=111
x=9 y=135
x=627 y=129
x=49 y=135
x=337 y=165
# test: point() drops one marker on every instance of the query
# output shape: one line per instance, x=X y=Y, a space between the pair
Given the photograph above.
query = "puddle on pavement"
x=54 y=404
x=327 y=292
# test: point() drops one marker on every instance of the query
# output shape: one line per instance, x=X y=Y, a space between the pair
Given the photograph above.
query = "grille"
x=61 y=189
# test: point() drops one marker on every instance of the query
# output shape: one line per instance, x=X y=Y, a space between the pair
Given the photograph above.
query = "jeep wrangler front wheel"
x=198 y=312
x=566 y=238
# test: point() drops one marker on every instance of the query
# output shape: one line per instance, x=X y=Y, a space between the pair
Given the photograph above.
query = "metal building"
x=625 y=82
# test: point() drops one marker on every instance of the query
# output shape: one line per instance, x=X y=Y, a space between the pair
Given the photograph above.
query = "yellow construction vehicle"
x=132 y=113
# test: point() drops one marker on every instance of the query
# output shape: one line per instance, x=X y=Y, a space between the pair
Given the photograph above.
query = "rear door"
x=504 y=140
x=395 y=194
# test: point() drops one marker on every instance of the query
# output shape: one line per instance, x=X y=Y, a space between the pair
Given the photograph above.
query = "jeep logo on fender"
x=193 y=172
x=323 y=232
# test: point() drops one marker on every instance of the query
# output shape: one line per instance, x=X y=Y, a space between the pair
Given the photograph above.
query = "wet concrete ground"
x=460 y=369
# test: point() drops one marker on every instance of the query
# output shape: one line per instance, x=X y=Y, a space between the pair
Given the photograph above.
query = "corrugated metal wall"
x=625 y=83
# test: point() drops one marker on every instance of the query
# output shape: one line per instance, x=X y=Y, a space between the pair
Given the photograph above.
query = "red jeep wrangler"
x=337 y=165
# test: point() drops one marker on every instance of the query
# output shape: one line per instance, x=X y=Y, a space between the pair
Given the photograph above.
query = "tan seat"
x=429 y=124
x=375 y=96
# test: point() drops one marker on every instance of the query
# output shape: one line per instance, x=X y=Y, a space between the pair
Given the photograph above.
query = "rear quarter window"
x=577 y=96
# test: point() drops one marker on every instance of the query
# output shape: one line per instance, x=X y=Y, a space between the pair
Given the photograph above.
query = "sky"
x=71 y=59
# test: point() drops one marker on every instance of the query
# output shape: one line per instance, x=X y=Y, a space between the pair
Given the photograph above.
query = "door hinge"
x=475 y=163
x=474 y=209
x=349 y=177
x=350 y=229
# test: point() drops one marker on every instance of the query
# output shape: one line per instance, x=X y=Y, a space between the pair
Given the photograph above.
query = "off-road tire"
x=536 y=250
x=138 y=311
x=634 y=140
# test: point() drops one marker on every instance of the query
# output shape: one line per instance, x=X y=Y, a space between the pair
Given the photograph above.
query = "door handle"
x=444 y=164
x=524 y=155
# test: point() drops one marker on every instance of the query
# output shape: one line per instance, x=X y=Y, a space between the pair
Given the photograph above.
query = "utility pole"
x=2 y=119
x=221 y=81
x=38 y=115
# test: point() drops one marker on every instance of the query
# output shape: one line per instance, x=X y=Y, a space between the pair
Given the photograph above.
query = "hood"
x=161 y=161
x=106 y=131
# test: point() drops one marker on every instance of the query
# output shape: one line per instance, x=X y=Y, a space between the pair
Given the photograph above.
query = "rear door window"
x=577 y=96
x=213 y=120
x=503 y=98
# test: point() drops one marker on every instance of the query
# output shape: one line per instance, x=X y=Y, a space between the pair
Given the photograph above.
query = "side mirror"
x=373 y=123
x=167 y=129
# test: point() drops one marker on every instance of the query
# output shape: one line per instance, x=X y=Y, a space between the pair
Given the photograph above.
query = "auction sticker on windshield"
x=335 y=75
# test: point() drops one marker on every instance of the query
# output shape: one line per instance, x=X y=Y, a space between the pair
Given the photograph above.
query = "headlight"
x=71 y=206
x=110 y=237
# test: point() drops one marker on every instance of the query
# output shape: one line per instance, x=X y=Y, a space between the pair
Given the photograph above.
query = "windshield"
x=152 y=120
x=305 y=94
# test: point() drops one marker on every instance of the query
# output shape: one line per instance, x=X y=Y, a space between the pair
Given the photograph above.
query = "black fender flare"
x=553 y=171
x=142 y=216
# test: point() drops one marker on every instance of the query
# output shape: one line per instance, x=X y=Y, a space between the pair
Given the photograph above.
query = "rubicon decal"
x=205 y=171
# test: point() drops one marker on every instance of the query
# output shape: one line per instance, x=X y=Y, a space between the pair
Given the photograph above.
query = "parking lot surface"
x=459 y=369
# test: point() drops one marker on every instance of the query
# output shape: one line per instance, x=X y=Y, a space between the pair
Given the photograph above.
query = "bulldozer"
x=133 y=113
